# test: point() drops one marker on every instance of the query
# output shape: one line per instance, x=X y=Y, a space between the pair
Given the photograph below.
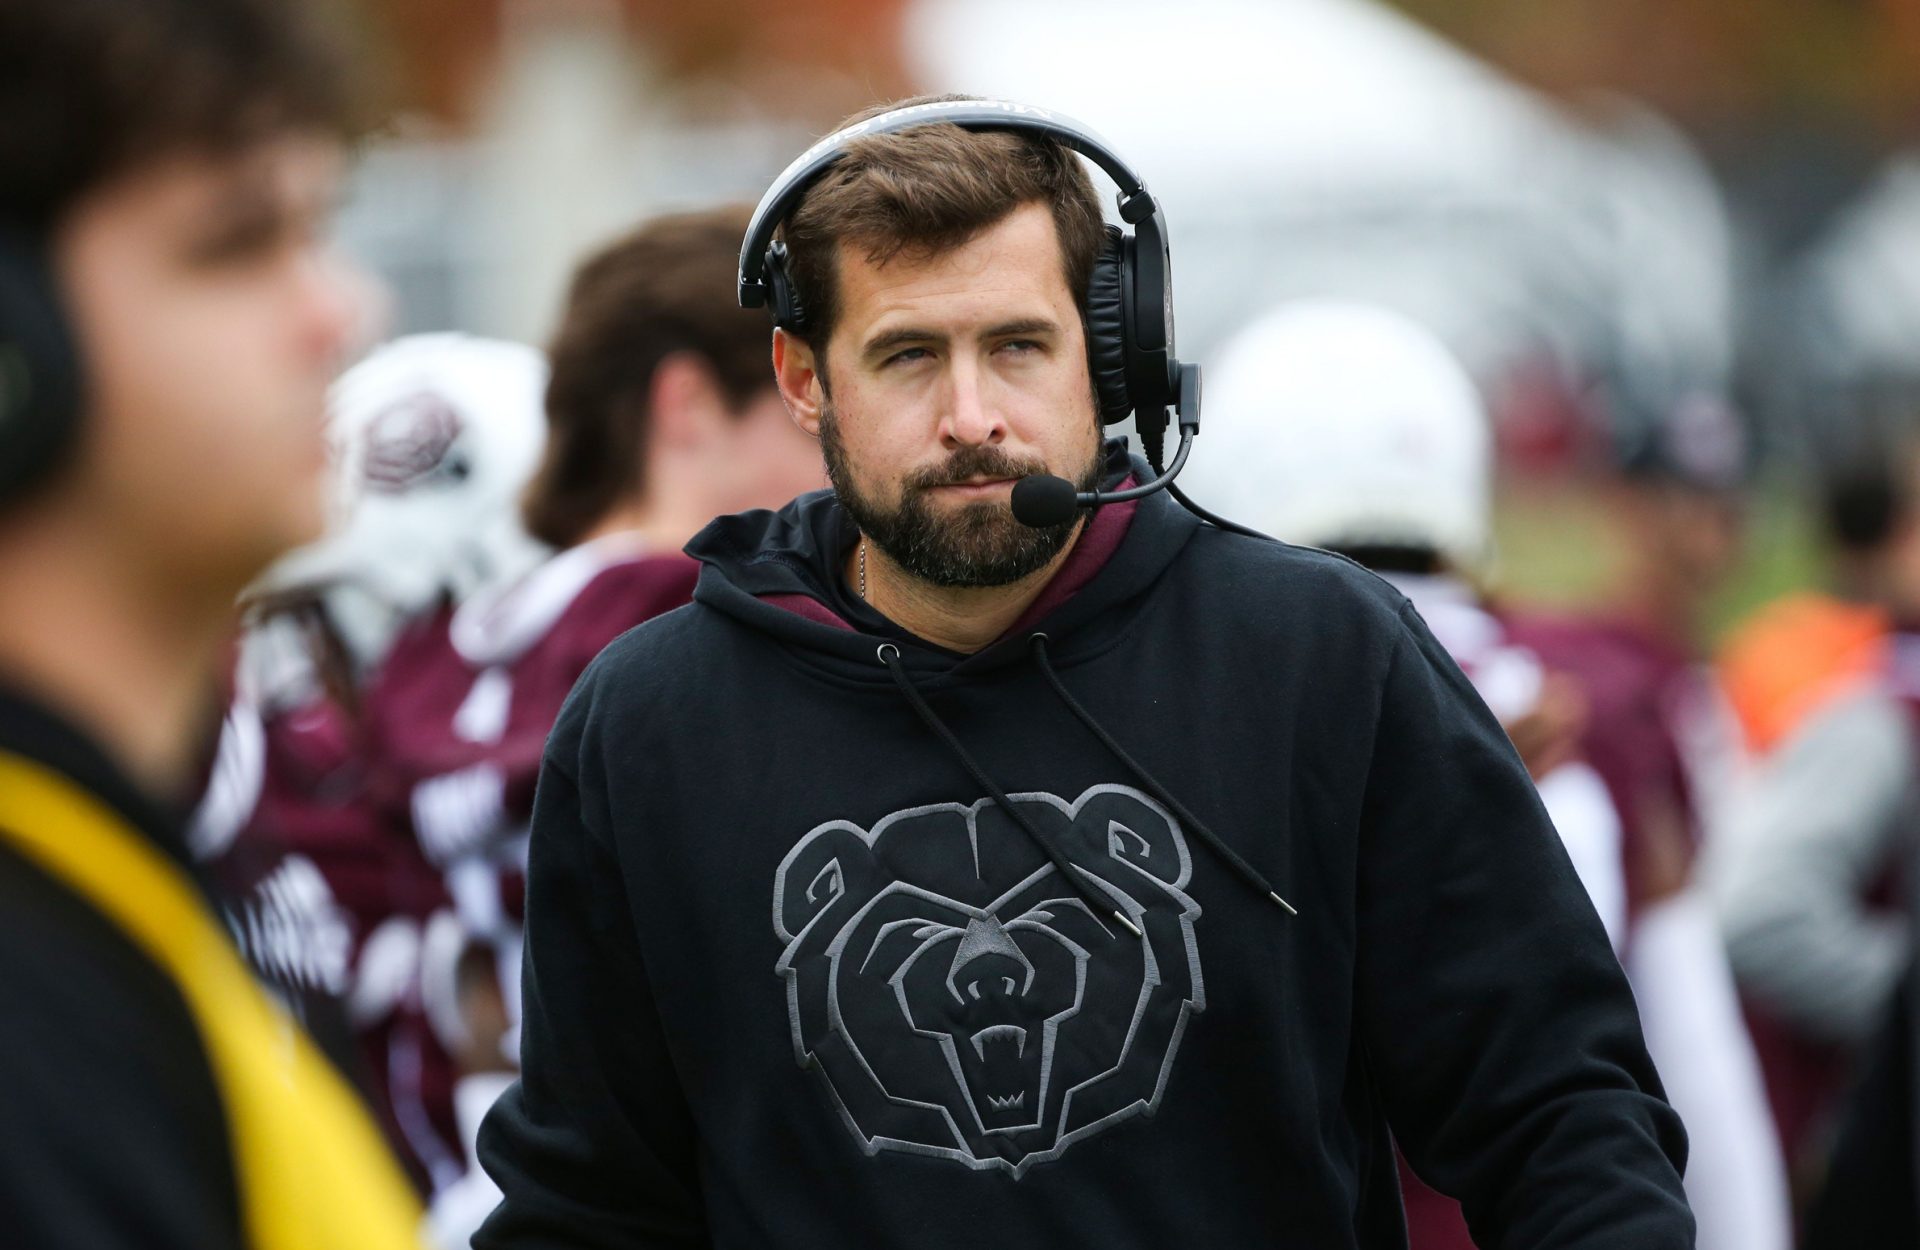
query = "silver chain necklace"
x=863 y=568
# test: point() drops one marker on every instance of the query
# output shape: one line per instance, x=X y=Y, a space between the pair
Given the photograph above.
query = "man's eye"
x=239 y=241
x=1020 y=347
x=908 y=356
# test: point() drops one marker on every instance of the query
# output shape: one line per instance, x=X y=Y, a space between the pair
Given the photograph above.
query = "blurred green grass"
x=1557 y=549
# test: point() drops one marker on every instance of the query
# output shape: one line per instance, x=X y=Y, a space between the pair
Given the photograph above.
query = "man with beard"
x=858 y=915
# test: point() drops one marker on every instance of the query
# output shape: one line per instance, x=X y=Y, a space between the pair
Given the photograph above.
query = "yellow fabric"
x=313 y=1172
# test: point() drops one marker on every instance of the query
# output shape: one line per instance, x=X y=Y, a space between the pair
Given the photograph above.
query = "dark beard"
x=979 y=545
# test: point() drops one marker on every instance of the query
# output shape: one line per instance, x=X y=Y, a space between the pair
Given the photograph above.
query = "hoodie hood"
x=778 y=572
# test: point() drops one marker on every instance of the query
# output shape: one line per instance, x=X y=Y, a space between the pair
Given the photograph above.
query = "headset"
x=1129 y=296
x=40 y=374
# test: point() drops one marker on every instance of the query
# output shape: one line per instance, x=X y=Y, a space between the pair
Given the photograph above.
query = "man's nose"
x=972 y=418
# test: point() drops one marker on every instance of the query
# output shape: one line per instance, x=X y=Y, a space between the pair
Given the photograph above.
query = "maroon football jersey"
x=1640 y=689
x=313 y=802
x=458 y=718
x=476 y=689
x=327 y=899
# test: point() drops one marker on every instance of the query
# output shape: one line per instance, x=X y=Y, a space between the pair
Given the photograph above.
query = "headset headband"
x=1135 y=203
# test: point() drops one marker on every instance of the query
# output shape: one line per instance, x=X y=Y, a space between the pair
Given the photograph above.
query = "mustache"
x=972 y=462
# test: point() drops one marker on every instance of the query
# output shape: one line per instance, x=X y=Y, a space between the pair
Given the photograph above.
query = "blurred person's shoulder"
x=625 y=595
x=1628 y=673
x=111 y=1115
x=112 y=1131
x=565 y=612
x=641 y=588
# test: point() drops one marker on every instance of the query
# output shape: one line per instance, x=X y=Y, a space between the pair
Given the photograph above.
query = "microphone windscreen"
x=1043 y=500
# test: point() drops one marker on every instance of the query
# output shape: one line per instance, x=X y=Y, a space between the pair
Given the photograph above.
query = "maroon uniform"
x=327 y=901
x=459 y=715
x=478 y=687
x=1641 y=691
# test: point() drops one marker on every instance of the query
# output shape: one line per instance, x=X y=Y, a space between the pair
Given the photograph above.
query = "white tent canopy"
x=1298 y=92
x=1335 y=147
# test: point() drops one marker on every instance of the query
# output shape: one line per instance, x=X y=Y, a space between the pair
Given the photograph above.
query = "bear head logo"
x=961 y=1000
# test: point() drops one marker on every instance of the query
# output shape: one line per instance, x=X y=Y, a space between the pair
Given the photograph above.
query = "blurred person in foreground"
x=169 y=322
x=661 y=414
x=432 y=438
x=857 y=915
x=1349 y=427
x=1807 y=870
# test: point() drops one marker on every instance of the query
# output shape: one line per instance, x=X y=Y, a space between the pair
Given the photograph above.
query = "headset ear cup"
x=782 y=300
x=1107 y=331
x=39 y=370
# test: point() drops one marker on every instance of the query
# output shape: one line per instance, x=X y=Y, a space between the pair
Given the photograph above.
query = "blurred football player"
x=433 y=437
x=661 y=414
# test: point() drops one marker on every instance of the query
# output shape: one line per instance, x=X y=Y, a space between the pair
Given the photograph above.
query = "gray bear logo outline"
x=959 y=1001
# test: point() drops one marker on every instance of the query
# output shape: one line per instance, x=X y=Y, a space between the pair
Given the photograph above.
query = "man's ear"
x=799 y=380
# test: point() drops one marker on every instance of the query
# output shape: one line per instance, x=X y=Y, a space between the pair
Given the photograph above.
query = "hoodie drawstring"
x=889 y=655
x=1248 y=872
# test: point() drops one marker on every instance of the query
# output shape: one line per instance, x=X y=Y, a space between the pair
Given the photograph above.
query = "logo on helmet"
x=412 y=442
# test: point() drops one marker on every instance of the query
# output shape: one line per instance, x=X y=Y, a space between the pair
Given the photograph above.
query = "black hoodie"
x=838 y=939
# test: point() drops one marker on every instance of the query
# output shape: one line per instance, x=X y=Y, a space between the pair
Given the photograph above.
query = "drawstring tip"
x=1128 y=924
x=1283 y=902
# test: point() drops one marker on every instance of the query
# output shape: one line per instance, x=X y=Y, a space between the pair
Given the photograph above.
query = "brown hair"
x=668 y=287
x=928 y=189
x=91 y=89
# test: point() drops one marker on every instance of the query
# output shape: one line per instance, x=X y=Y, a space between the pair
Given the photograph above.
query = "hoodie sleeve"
x=1494 y=1020
x=593 y=1146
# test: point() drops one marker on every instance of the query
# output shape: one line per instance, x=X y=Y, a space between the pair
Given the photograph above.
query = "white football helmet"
x=432 y=438
x=1338 y=424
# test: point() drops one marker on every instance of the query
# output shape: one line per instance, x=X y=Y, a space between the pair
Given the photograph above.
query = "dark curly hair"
x=92 y=89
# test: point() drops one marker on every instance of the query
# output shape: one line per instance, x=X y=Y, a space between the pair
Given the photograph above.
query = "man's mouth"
x=977 y=487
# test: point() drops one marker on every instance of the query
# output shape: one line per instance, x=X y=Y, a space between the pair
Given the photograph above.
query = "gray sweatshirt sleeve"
x=1801 y=847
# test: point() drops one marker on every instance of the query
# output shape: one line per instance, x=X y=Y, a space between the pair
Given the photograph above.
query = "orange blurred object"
x=1797 y=655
